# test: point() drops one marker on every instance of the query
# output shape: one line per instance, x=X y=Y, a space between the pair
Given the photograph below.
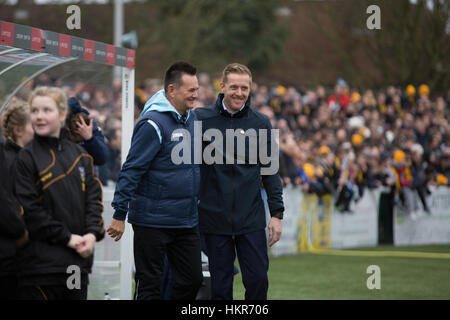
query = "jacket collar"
x=227 y=114
x=158 y=102
x=9 y=144
x=56 y=143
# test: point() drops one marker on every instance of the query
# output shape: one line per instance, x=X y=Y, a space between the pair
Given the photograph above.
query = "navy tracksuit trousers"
x=251 y=249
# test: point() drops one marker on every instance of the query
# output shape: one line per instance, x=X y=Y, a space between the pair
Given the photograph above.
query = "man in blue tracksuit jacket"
x=160 y=196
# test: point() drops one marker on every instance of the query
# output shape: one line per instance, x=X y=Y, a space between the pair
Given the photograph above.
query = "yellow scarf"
x=397 y=178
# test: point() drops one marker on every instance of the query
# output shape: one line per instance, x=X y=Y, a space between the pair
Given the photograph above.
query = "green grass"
x=310 y=276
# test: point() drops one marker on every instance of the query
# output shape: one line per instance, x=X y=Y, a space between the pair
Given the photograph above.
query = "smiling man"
x=231 y=209
x=160 y=196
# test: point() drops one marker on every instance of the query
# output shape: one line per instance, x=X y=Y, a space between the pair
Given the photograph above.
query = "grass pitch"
x=324 y=276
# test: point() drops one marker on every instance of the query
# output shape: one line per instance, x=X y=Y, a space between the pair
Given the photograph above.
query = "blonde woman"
x=13 y=234
x=61 y=197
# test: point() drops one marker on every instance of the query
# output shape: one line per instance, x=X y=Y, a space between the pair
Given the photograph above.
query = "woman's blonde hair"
x=16 y=116
x=56 y=94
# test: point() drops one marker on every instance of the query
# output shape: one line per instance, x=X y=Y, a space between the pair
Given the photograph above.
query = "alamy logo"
x=374 y=20
x=214 y=152
x=74 y=20
x=374 y=281
x=74 y=280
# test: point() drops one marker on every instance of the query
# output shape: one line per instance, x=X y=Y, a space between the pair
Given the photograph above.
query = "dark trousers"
x=166 y=284
x=8 y=287
x=52 y=292
x=182 y=247
x=251 y=250
x=204 y=292
x=422 y=192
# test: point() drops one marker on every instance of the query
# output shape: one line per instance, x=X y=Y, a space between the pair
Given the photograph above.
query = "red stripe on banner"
x=130 y=58
x=89 y=50
x=37 y=39
x=64 y=45
x=110 y=54
x=7 y=33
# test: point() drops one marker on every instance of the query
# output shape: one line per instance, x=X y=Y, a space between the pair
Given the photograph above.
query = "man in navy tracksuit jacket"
x=231 y=210
x=160 y=196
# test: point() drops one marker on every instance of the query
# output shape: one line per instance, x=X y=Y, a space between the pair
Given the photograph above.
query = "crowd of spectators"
x=348 y=140
x=339 y=141
x=345 y=140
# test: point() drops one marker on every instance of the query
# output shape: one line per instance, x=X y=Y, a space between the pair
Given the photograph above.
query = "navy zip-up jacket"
x=230 y=201
x=154 y=190
x=95 y=146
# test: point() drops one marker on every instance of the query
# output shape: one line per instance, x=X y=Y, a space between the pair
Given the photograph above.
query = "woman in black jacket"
x=18 y=131
x=12 y=234
x=61 y=197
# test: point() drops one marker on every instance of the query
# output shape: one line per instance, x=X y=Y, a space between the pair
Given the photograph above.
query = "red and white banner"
x=35 y=39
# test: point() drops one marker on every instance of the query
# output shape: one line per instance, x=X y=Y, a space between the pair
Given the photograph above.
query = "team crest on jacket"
x=83 y=177
x=176 y=135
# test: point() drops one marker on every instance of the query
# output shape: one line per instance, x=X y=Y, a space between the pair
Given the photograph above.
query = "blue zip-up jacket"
x=96 y=146
x=154 y=190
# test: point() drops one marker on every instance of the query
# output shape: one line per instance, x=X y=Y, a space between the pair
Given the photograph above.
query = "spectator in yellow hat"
x=324 y=150
x=441 y=180
x=355 y=97
x=410 y=90
x=399 y=156
x=410 y=100
x=424 y=90
x=357 y=139
x=281 y=90
x=403 y=181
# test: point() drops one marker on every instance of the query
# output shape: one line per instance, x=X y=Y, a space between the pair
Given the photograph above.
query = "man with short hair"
x=161 y=196
x=231 y=209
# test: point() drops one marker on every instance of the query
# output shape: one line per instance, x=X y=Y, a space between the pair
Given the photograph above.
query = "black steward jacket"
x=12 y=226
x=230 y=201
x=60 y=194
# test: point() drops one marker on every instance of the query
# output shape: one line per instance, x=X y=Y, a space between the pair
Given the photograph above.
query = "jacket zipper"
x=193 y=179
x=232 y=186
x=193 y=172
